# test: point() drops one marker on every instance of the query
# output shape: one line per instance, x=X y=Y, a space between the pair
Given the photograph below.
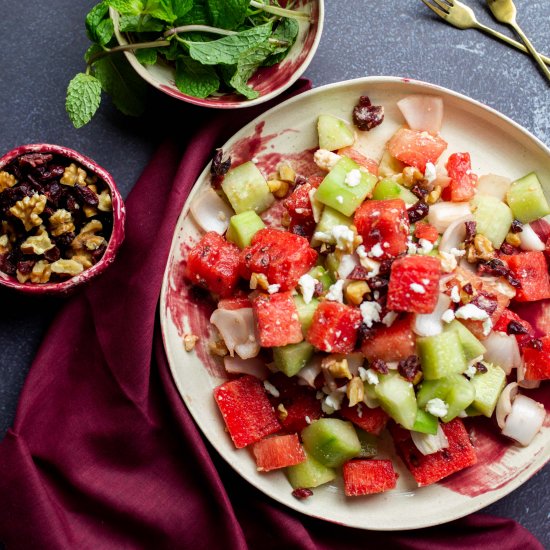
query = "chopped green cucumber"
x=329 y=219
x=305 y=311
x=493 y=218
x=526 y=199
x=334 y=133
x=457 y=392
x=292 y=358
x=309 y=474
x=242 y=227
x=331 y=441
x=488 y=386
x=369 y=444
x=396 y=397
x=472 y=411
x=441 y=355
x=425 y=422
x=389 y=166
x=322 y=275
x=336 y=193
x=390 y=189
x=246 y=189
x=471 y=346
x=332 y=264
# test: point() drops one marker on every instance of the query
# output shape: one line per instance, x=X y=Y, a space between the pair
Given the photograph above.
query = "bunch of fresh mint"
x=213 y=45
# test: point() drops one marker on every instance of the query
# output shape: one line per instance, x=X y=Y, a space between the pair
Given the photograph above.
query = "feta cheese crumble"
x=470 y=371
x=333 y=401
x=371 y=377
x=353 y=178
x=272 y=289
x=430 y=174
x=458 y=253
x=389 y=318
x=419 y=289
x=347 y=264
x=370 y=312
x=325 y=159
x=340 y=199
x=448 y=316
x=343 y=236
x=307 y=287
x=471 y=311
x=335 y=292
x=270 y=388
x=448 y=261
x=425 y=245
x=455 y=294
x=437 y=407
x=376 y=251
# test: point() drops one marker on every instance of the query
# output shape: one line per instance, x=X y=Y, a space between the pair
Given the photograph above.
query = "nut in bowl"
x=61 y=219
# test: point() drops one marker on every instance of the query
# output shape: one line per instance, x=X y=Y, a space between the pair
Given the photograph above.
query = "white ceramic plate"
x=497 y=145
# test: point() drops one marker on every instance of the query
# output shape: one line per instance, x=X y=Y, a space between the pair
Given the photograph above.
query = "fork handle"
x=531 y=49
x=510 y=41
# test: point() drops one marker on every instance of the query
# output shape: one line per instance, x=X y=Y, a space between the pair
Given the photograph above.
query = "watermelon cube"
x=423 y=230
x=537 y=362
x=367 y=163
x=334 y=327
x=416 y=148
x=431 y=468
x=281 y=256
x=531 y=270
x=298 y=203
x=462 y=186
x=370 y=420
x=277 y=321
x=277 y=452
x=392 y=343
x=504 y=320
x=414 y=284
x=367 y=477
x=246 y=410
x=213 y=263
x=384 y=223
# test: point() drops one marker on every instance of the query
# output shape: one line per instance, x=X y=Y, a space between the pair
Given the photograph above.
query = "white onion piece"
x=422 y=112
x=525 y=420
x=430 y=324
x=502 y=350
x=441 y=181
x=526 y=384
x=496 y=186
x=530 y=240
x=236 y=327
x=443 y=214
x=499 y=285
x=211 y=212
x=347 y=264
x=254 y=366
x=504 y=403
x=429 y=444
x=455 y=234
x=310 y=372
x=467 y=266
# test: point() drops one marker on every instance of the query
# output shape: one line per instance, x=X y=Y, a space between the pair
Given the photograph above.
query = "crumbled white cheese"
x=353 y=178
x=372 y=377
x=458 y=253
x=307 y=287
x=316 y=206
x=270 y=388
x=343 y=236
x=362 y=371
x=471 y=311
x=370 y=312
x=430 y=174
x=359 y=410
x=411 y=246
x=340 y=199
x=361 y=252
x=376 y=294
x=376 y=251
x=448 y=261
x=419 y=289
x=437 y=407
x=372 y=266
x=272 y=289
x=470 y=371
x=335 y=292
x=389 y=318
x=307 y=419
x=323 y=236
x=448 y=316
x=487 y=326
x=347 y=264
x=332 y=402
x=426 y=245
x=455 y=294
x=325 y=159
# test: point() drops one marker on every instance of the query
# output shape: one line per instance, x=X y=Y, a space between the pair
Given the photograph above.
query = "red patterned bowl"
x=268 y=81
x=117 y=234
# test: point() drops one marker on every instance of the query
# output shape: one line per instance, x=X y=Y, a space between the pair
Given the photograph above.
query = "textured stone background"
x=42 y=48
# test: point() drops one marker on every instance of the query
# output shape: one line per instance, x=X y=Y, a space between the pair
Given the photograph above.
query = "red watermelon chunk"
x=367 y=163
x=416 y=148
x=277 y=321
x=246 y=410
x=277 y=452
x=384 y=223
x=537 y=362
x=281 y=256
x=235 y=302
x=462 y=186
x=504 y=320
x=423 y=230
x=392 y=343
x=213 y=263
x=298 y=203
x=531 y=270
x=414 y=284
x=334 y=327
x=431 y=468
x=370 y=420
x=367 y=477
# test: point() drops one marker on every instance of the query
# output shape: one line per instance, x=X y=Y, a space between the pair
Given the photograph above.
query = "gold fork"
x=461 y=16
x=505 y=12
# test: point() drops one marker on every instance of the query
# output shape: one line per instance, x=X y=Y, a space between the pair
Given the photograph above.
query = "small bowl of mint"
x=211 y=53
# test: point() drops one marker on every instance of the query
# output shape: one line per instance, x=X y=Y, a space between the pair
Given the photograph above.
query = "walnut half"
x=28 y=210
x=67 y=267
x=38 y=244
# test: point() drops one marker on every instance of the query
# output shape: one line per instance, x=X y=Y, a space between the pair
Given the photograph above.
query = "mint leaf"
x=197 y=15
x=83 y=98
x=91 y=51
x=160 y=9
x=246 y=66
x=137 y=23
x=286 y=31
x=126 y=7
x=227 y=50
x=105 y=31
x=227 y=14
x=122 y=83
x=99 y=27
x=195 y=79
x=181 y=7
x=146 y=56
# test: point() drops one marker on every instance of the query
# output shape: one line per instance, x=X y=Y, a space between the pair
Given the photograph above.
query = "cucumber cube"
x=389 y=189
x=292 y=358
x=305 y=311
x=329 y=219
x=488 y=386
x=471 y=346
x=332 y=263
x=334 y=133
x=309 y=474
x=396 y=397
x=457 y=392
x=331 y=441
x=322 y=275
x=433 y=389
x=441 y=355
x=493 y=218
x=369 y=444
x=526 y=199
x=336 y=193
x=242 y=227
x=425 y=422
x=246 y=189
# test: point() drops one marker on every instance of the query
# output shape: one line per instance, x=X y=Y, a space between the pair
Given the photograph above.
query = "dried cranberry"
x=485 y=301
x=385 y=266
x=25 y=266
x=364 y=332
x=418 y=211
x=480 y=367
x=408 y=368
x=53 y=254
x=512 y=281
x=219 y=167
x=367 y=116
x=471 y=229
x=419 y=191
x=55 y=193
x=300 y=230
x=536 y=343
x=516 y=227
x=468 y=289
x=7 y=264
x=72 y=205
x=65 y=239
x=35 y=159
x=514 y=327
x=26 y=189
x=359 y=273
x=318 y=289
x=380 y=366
x=299 y=180
x=378 y=283
x=302 y=493
x=494 y=267
x=34 y=184
x=507 y=249
x=86 y=195
x=375 y=234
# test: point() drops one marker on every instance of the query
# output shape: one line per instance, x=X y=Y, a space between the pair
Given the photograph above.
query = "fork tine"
x=443 y=5
x=437 y=11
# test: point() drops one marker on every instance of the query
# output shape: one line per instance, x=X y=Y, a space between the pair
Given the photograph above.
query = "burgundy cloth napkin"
x=103 y=453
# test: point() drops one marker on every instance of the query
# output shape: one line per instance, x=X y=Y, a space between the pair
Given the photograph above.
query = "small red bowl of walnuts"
x=61 y=219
